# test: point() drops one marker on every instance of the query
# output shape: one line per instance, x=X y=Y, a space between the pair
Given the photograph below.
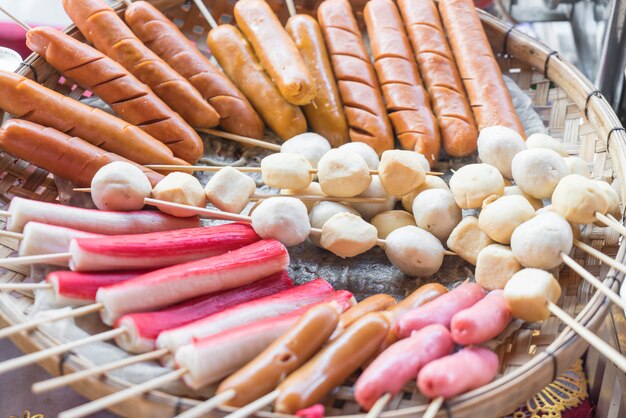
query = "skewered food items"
x=414 y=251
x=375 y=190
x=310 y=145
x=387 y=222
x=323 y=211
x=400 y=172
x=495 y=266
x=499 y=218
x=539 y=242
x=430 y=182
x=497 y=145
x=481 y=322
x=436 y=211
x=473 y=183
x=537 y=171
x=120 y=186
x=343 y=174
x=347 y=235
x=578 y=198
x=576 y=165
x=527 y=292
x=39 y=238
x=612 y=197
x=230 y=190
x=467 y=239
x=314 y=189
x=283 y=218
x=286 y=170
x=180 y=188
x=516 y=191
x=365 y=151
x=546 y=141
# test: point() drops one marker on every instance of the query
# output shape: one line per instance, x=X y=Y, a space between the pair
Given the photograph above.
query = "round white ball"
x=497 y=145
x=375 y=189
x=401 y=171
x=499 y=219
x=343 y=174
x=537 y=171
x=387 y=222
x=120 y=186
x=365 y=151
x=286 y=170
x=414 y=251
x=182 y=188
x=310 y=145
x=430 y=182
x=547 y=142
x=347 y=235
x=473 y=183
x=516 y=191
x=577 y=165
x=578 y=198
x=539 y=242
x=282 y=218
x=436 y=211
x=324 y=210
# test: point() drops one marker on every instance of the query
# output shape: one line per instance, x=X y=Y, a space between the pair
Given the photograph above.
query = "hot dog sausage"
x=401 y=362
x=358 y=86
x=371 y=304
x=487 y=92
x=441 y=77
x=238 y=61
x=132 y=100
x=408 y=104
x=333 y=365
x=276 y=51
x=439 y=311
x=62 y=155
x=468 y=369
x=325 y=114
x=286 y=354
x=163 y=37
x=482 y=321
x=108 y=32
x=28 y=100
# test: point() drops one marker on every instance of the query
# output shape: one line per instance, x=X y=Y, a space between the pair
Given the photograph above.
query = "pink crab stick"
x=267 y=307
x=143 y=328
x=40 y=239
x=467 y=369
x=71 y=288
x=158 y=249
x=481 y=322
x=23 y=211
x=170 y=285
x=400 y=363
x=214 y=357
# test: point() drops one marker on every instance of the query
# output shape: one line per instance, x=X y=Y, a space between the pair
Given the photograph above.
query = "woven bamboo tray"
x=532 y=357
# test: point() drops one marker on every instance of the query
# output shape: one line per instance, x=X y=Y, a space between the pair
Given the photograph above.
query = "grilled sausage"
x=408 y=104
x=325 y=114
x=108 y=32
x=487 y=92
x=440 y=75
x=358 y=86
x=276 y=51
x=163 y=37
x=484 y=320
x=236 y=57
x=132 y=100
x=28 y=100
x=62 y=155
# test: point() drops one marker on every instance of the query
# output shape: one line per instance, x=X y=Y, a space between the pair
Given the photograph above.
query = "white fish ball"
x=473 y=183
x=310 y=145
x=365 y=151
x=120 y=186
x=343 y=174
x=282 y=218
x=414 y=251
x=436 y=211
x=497 y=145
x=180 y=188
x=537 y=171
x=539 y=242
x=500 y=218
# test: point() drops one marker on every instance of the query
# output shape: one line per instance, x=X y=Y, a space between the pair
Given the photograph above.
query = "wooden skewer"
x=242 y=139
x=242 y=169
x=611 y=222
x=433 y=407
x=593 y=280
x=5 y=214
x=207 y=406
x=127 y=2
x=63 y=381
x=378 y=407
x=209 y=18
x=35 y=259
x=83 y=310
x=600 y=256
x=291 y=7
x=117 y=397
x=11 y=234
x=254 y=406
x=32 y=358
x=24 y=286
x=20 y=22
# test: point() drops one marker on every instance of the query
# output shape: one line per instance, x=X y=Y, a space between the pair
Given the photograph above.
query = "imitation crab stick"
x=215 y=357
x=174 y=284
x=22 y=211
x=267 y=307
x=143 y=328
x=39 y=238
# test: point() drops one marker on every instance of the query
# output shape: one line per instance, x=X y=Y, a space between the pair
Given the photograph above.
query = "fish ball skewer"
x=473 y=183
x=497 y=145
x=537 y=171
x=436 y=211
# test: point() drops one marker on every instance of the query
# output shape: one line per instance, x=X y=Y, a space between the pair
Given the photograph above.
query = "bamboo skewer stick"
x=291 y=7
x=611 y=222
x=254 y=406
x=24 y=286
x=433 y=407
x=378 y=407
x=121 y=396
x=31 y=358
x=207 y=406
x=63 y=381
x=35 y=259
x=10 y=234
x=209 y=18
x=83 y=310
x=241 y=169
x=5 y=214
x=242 y=139
x=600 y=256
x=20 y=22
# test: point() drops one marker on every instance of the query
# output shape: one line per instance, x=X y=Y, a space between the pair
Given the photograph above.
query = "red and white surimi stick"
x=38 y=239
x=270 y=306
x=214 y=357
x=22 y=211
x=482 y=321
x=144 y=327
x=174 y=284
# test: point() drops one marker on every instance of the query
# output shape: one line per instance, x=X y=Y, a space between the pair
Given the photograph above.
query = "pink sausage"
x=440 y=310
x=483 y=321
x=468 y=369
x=400 y=363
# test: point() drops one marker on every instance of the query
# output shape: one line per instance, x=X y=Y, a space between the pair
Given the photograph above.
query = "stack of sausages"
x=434 y=81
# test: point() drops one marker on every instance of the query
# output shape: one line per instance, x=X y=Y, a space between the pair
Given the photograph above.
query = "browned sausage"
x=358 y=86
x=487 y=92
x=62 y=155
x=276 y=51
x=325 y=114
x=108 y=32
x=163 y=37
x=28 y=100
x=333 y=365
x=408 y=104
x=132 y=100
x=286 y=354
x=373 y=303
x=236 y=57
x=440 y=75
